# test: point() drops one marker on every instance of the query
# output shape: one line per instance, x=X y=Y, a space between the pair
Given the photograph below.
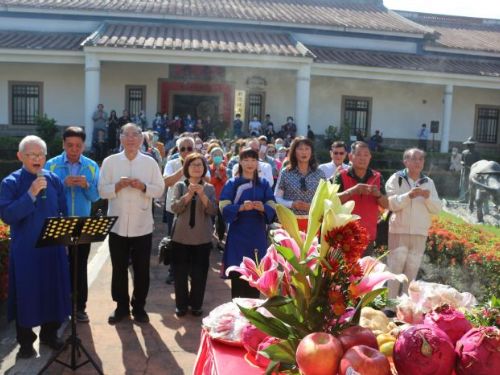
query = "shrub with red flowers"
x=463 y=256
x=4 y=260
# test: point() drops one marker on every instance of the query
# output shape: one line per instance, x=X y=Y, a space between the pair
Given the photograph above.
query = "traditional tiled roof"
x=390 y=60
x=164 y=37
x=339 y=14
x=466 y=33
x=41 y=41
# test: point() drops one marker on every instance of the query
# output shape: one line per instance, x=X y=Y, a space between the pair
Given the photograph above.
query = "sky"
x=470 y=8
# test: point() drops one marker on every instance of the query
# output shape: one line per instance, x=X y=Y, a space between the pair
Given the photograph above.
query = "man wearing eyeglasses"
x=338 y=153
x=39 y=286
x=130 y=180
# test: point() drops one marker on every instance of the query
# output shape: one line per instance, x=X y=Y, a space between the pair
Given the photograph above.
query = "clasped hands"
x=252 y=205
x=195 y=189
x=419 y=192
x=365 y=189
x=134 y=183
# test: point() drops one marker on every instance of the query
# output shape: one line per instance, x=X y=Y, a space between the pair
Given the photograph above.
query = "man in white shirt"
x=338 y=153
x=130 y=180
x=265 y=170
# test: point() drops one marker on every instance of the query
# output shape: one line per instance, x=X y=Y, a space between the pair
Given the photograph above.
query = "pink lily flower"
x=375 y=274
x=264 y=276
x=284 y=239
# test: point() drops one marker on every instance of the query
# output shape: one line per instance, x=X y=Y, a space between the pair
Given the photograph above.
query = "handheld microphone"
x=43 y=193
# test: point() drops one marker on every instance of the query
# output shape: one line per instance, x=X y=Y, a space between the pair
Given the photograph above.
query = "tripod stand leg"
x=89 y=358
x=73 y=340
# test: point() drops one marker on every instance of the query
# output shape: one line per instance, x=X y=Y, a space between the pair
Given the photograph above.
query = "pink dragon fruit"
x=424 y=350
x=260 y=359
x=479 y=352
x=449 y=320
x=251 y=337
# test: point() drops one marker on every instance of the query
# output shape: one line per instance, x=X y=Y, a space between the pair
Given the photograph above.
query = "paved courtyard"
x=167 y=345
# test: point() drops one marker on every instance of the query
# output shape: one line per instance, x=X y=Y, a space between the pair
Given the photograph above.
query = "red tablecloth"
x=215 y=358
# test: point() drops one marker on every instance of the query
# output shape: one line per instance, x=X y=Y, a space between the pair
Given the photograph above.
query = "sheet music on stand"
x=64 y=230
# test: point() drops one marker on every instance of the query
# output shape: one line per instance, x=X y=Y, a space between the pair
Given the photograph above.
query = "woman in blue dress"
x=247 y=204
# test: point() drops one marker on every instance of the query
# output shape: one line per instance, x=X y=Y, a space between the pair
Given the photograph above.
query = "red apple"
x=364 y=360
x=319 y=353
x=357 y=335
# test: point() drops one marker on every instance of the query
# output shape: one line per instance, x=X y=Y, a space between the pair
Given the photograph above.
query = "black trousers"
x=26 y=337
x=190 y=261
x=82 y=289
x=138 y=250
x=241 y=288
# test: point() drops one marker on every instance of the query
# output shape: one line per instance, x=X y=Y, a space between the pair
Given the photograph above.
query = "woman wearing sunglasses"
x=298 y=182
x=247 y=205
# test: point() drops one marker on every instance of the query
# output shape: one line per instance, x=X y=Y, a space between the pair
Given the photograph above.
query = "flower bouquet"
x=312 y=287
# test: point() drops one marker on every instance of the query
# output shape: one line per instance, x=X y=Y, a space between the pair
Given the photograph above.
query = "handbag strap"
x=181 y=189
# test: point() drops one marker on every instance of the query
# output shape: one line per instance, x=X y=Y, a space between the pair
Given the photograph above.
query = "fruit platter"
x=322 y=315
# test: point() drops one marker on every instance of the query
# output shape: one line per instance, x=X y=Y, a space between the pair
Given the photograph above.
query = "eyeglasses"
x=189 y=148
x=338 y=153
x=197 y=165
x=303 y=185
x=131 y=135
x=32 y=155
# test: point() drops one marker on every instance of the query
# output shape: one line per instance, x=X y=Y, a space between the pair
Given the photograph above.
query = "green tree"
x=47 y=129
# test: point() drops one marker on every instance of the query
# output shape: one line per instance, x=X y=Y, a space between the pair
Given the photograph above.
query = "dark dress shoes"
x=54 y=343
x=197 y=312
x=26 y=352
x=141 y=317
x=180 y=312
x=117 y=316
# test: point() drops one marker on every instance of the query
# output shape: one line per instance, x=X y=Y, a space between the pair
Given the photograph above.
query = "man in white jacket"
x=129 y=181
x=412 y=199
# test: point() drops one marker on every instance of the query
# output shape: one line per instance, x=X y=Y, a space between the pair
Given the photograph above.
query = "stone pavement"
x=167 y=345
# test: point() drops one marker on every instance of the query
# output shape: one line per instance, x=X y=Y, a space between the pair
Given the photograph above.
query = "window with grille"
x=135 y=99
x=255 y=106
x=487 y=124
x=357 y=113
x=26 y=102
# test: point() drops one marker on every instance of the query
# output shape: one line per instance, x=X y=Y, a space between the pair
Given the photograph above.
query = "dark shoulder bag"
x=166 y=246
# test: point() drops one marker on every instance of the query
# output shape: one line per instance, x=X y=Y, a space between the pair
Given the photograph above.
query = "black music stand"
x=71 y=232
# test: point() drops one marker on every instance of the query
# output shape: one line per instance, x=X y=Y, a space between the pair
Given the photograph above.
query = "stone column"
x=302 y=92
x=447 y=110
x=92 y=88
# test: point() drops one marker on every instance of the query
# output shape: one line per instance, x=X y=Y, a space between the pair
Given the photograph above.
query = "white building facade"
x=321 y=62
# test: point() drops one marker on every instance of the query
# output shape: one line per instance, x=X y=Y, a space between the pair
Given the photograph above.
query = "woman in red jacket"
x=218 y=178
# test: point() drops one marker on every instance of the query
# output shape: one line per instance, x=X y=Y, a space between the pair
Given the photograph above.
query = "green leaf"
x=272 y=368
x=283 y=351
x=367 y=299
x=277 y=301
x=271 y=326
x=289 y=256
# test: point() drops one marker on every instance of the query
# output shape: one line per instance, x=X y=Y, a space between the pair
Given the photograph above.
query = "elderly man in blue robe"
x=39 y=286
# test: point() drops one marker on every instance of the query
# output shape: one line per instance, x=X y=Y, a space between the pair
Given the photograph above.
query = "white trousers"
x=405 y=256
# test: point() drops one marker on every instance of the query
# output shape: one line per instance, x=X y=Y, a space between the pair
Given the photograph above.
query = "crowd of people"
x=218 y=194
x=106 y=133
